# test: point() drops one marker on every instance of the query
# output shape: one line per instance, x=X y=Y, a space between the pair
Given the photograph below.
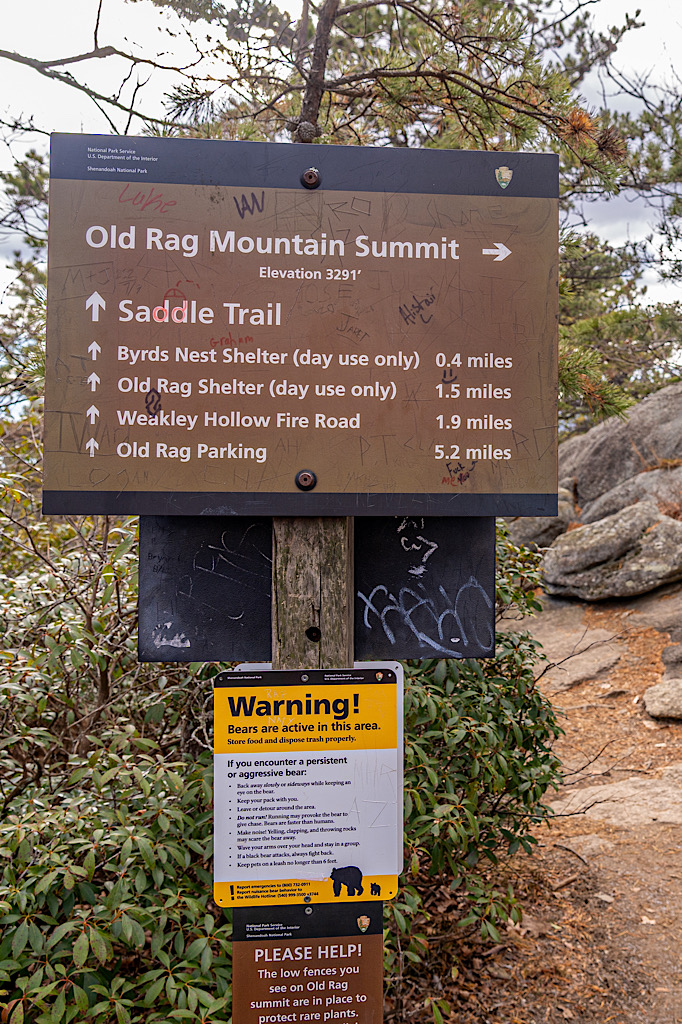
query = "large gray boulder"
x=672 y=659
x=664 y=486
x=575 y=651
x=631 y=552
x=662 y=612
x=613 y=452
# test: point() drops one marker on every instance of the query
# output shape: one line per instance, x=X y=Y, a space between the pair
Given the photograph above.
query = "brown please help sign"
x=294 y=964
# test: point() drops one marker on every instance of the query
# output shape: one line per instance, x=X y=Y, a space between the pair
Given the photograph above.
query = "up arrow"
x=94 y=350
x=91 y=445
x=500 y=252
x=93 y=381
x=93 y=413
x=94 y=304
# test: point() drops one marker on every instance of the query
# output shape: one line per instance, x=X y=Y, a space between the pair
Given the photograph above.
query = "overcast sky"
x=56 y=28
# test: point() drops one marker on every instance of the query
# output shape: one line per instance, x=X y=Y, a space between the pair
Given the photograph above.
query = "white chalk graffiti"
x=412 y=540
x=437 y=625
x=161 y=640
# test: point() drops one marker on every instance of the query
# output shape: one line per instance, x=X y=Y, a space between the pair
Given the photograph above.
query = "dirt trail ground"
x=601 y=938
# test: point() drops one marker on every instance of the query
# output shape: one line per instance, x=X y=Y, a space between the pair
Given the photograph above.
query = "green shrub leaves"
x=106 y=913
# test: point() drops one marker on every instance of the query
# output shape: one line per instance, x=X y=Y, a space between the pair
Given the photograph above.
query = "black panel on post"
x=205 y=587
x=425 y=588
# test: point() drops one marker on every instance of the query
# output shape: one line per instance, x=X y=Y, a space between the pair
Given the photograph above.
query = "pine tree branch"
x=50 y=70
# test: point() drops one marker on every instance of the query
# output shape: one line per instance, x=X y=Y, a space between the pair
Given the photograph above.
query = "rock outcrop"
x=664 y=486
x=632 y=802
x=618 y=450
x=619 y=528
x=672 y=659
x=541 y=531
x=664 y=699
x=631 y=552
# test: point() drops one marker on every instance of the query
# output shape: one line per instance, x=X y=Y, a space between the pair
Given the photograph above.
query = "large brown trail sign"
x=224 y=340
x=235 y=332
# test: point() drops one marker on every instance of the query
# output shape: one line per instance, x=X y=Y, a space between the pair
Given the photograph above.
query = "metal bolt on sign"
x=305 y=480
x=311 y=178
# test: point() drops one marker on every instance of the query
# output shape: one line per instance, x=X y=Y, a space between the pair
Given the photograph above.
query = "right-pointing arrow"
x=94 y=350
x=93 y=381
x=500 y=252
x=93 y=413
x=91 y=445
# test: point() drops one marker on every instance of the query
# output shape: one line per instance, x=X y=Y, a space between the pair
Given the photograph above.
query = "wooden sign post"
x=312 y=592
x=312 y=565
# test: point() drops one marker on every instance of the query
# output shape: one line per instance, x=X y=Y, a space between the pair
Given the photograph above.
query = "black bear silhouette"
x=351 y=877
x=374 y=889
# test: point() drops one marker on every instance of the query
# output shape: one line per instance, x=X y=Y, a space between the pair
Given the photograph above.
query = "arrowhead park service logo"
x=363 y=923
x=504 y=176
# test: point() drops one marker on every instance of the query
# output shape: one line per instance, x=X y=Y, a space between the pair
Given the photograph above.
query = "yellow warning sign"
x=308 y=786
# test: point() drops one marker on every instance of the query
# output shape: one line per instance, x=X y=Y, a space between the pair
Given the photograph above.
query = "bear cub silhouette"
x=374 y=889
x=351 y=877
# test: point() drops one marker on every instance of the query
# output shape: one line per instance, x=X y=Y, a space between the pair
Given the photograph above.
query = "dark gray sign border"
x=250 y=165
x=236 y=503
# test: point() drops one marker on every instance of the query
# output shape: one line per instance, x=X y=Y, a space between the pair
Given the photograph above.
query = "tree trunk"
x=312 y=97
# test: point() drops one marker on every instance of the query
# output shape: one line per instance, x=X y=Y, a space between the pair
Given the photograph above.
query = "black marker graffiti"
x=249 y=207
x=152 y=402
x=458 y=473
x=409 y=311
